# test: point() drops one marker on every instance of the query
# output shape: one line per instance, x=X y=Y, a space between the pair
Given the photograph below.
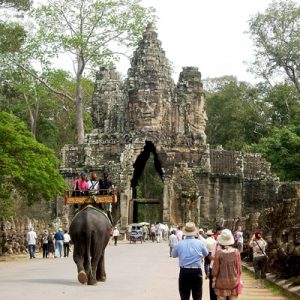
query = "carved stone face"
x=145 y=113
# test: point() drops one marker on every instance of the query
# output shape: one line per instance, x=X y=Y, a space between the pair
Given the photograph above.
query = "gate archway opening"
x=147 y=187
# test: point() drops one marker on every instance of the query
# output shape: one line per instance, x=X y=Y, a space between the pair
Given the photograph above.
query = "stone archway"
x=139 y=167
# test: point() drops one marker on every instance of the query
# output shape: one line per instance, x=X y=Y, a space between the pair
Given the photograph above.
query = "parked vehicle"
x=136 y=235
x=137 y=232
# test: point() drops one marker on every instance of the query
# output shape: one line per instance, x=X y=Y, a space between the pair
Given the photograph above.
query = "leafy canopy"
x=235 y=115
x=282 y=149
x=26 y=165
x=12 y=34
x=16 y=4
x=93 y=32
x=276 y=35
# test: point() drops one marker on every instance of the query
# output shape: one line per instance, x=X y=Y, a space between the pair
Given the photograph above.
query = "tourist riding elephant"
x=90 y=233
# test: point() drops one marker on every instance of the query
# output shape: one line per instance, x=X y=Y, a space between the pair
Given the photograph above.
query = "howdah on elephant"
x=90 y=233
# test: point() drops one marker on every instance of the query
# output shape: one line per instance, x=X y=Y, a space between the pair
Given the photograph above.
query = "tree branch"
x=47 y=85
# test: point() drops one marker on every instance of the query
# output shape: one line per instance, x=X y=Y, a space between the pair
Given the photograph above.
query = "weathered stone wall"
x=13 y=233
x=280 y=226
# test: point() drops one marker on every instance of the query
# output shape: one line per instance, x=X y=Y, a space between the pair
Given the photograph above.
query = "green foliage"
x=150 y=185
x=235 y=114
x=54 y=116
x=276 y=34
x=26 y=165
x=282 y=149
x=12 y=36
x=283 y=105
x=16 y=4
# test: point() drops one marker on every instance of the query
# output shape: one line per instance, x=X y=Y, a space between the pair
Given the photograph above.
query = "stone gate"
x=147 y=113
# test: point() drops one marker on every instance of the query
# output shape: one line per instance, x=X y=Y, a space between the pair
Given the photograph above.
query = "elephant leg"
x=101 y=274
x=92 y=275
x=79 y=261
x=89 y=270
x=86 y=264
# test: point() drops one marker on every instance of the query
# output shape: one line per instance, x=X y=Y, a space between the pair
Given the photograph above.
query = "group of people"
x=91 y=185
x=53 y=244
x=222 y=262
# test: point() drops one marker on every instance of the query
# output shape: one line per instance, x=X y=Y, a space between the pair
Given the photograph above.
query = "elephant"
x=90 y=232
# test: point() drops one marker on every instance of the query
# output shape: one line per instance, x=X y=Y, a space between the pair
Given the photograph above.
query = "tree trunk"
x=79 y=101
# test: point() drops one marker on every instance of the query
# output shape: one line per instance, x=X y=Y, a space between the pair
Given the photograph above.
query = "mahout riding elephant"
x=90 y=233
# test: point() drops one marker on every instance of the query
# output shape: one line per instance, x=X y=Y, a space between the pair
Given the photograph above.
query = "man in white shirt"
x=67 y=240
x=173 y=241
x=116 y=233
x=31 y=240
x=210 y=245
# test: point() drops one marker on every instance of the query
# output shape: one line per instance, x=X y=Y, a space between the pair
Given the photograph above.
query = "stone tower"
x=147 y=113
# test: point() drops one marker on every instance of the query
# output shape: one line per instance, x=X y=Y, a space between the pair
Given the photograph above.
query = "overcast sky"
x=208 y=34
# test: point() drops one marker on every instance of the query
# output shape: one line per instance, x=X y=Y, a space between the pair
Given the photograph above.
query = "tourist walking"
x=116 y=234
x=51 y=244
x=215 y=249
x=179 y=233
x=31 y=240
x=226 y=269
x=152 y=233
x=190 y=252
x=239 y=239
x=158 y=232
x=202 y=234
x=59 y=241
x=67 y=240
x=210 y=245
x=173 y=241
x=260 y=258
x=44 y=242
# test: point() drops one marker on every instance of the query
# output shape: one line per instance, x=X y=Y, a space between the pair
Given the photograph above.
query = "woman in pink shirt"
x=81 y=184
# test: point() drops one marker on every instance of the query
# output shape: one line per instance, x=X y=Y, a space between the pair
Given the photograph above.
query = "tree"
x=282 y=149
x=50 y=117
x=283 y=104
x=12 y=34
x=89 y=31
x=26 y=166
x=236 y=114
x=276 y=35
x=16 y=4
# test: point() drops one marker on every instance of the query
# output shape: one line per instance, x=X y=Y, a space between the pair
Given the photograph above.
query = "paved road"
x=134 y=272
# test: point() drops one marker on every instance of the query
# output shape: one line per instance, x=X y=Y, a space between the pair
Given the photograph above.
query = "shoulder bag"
x=262 y=251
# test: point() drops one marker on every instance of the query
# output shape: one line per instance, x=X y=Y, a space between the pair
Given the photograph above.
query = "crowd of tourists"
x=53 y=244
x=218 y=253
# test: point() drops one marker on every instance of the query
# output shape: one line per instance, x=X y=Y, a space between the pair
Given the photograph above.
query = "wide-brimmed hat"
x=226 y=238
x=210 y=232
x=190 y=229
x=201 y=230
